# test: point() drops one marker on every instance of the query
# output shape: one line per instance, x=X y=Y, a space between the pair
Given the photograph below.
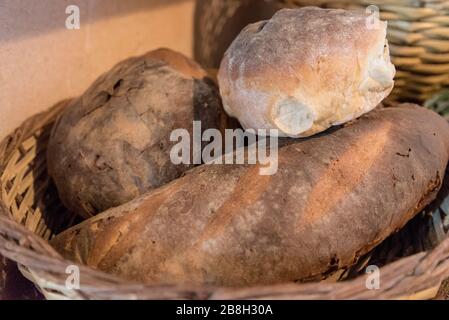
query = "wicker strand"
x=415 y=276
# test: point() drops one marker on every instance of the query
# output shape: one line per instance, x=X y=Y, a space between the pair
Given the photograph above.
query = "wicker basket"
x=31 y=213
x=418 y=33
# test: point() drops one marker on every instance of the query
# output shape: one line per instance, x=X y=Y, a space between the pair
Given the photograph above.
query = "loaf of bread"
x=333 y=198
x=305 y=70
x=113 y=143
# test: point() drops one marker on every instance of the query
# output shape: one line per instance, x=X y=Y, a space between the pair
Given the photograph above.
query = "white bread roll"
x=305 y=70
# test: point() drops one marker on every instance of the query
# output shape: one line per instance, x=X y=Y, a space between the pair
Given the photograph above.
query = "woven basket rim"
x=413 y=277
x=406 y=278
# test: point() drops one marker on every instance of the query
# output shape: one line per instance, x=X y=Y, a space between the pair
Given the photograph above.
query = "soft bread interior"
x=380 y=72
x=292 y=117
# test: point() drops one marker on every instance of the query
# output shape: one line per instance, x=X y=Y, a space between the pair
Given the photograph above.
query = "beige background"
x=42 y=63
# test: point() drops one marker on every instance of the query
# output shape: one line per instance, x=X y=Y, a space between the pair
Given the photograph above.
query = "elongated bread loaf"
x=333 y=198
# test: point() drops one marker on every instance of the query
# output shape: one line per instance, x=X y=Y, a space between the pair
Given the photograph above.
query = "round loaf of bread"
x=113 y=143
x=305 y=70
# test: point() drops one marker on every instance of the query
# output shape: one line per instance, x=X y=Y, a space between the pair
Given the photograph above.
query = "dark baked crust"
x=332 y=200
x=112 y=144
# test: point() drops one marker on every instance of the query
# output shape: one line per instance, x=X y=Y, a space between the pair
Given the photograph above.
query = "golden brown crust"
x=332 y=200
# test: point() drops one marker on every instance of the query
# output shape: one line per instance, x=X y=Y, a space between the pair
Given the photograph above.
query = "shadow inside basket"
x=32 y=200
x=26 y=188
x=54 y=217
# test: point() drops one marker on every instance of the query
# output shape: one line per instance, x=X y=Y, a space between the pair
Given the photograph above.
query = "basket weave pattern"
x=30 y=213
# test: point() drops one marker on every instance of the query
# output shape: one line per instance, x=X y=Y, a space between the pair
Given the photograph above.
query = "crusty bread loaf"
x=305 y=70
x=113 y=143
x=333 y=198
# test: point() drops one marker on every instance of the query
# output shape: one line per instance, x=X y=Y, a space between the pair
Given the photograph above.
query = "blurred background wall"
x=42 y=62
x=218 y=22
